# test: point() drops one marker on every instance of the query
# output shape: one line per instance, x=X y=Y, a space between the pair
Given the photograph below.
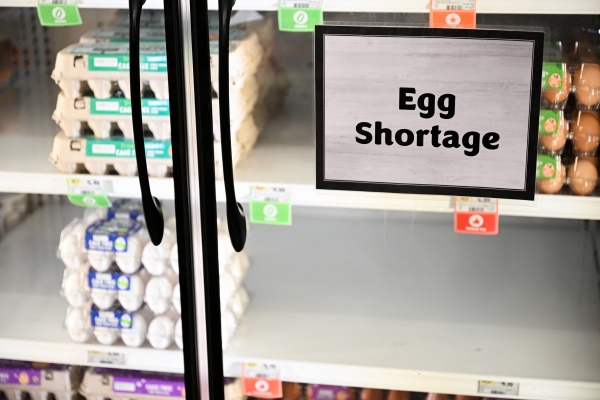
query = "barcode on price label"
x=503 y=388
x=476 y=204
x=57 y=1
x=453 y=5
x=300 y=4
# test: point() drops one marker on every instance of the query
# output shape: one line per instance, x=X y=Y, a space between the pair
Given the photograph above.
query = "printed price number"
x=502 y=388
x=105 y=357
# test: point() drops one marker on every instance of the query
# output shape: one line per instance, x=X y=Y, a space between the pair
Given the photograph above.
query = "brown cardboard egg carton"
x=39 y=381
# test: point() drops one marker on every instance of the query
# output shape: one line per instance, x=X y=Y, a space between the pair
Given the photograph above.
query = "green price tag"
x=87 y=192
x=270 y=205
x=546 y=167
x=58 y=13
x=299 y=15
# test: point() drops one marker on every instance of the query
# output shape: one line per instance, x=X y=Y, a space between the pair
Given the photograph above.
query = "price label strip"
x=58 y=12
x=452 y=13
x=262 y=380
x=300 y=15
x=270 y=205
x=87 y=192
x=502 y=388
x=105 y=357
x=476 y=215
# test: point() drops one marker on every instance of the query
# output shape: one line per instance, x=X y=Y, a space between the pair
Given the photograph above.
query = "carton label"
x=151 y=387
x=122 y=106
x=546 y=167
x=553 y=75
x=329 y=392
x=114 y=57
x=549 y=122
x=122 y=148
x=127 y=209
x=111 y=235
x=109 y=281
x=23 y=377
x=112 y=319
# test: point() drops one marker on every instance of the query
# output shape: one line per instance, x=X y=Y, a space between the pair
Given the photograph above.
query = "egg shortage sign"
x=428 y=111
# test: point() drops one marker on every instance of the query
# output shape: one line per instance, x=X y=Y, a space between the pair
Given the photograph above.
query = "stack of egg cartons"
x=39 y=381
x=118 y=384
x=94 y=108
x=119 y=285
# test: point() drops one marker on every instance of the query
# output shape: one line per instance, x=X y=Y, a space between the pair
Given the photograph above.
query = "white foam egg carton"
x=40 y=381
x=73 y=115
x=103 y=68
x=101 y=156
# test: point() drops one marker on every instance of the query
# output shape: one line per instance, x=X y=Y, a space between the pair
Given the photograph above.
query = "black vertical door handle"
x=153 y=214
x=236 y=221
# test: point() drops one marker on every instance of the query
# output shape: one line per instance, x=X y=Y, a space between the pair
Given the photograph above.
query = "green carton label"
x=120 y=62
x=549 y=122
x=546 y=166
x=58 y=14
x=122 y=106
x=299 y=16
x=122 y=148
x=553 y=75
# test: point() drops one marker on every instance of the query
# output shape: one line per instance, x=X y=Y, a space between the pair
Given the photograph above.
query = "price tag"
x=503 y=388
x=262 y=380
x=476 y=215
x=270 y=205
x=105 y=357
x=87 y=192
x=58 y=12
x=300 y=15
x=452 y=13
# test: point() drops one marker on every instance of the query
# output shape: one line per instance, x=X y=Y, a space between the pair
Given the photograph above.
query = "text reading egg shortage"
x=471 y=141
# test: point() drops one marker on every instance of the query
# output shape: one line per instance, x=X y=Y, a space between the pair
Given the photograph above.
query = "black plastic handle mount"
x=153 y=214
x=236 y=220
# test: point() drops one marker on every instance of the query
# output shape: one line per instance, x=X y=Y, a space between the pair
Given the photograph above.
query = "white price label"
x=265 y=371
x=105 y=357
x=476 y=204
x=453 y=5
x=270 y=193
x=300 y=4
x=503 y=388
x=86 y=186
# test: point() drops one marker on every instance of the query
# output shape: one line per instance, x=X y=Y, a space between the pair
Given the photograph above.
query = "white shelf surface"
x=283 y=156
x=365 y=298
x=411 y=6
x=32 y=327
x=398 y=301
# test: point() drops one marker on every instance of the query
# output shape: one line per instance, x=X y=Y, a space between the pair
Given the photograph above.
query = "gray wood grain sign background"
x=491 y=80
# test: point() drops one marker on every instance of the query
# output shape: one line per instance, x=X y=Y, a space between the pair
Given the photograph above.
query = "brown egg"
x=558 y=96
x=551 y=186
x=398 y=395
x=291 y=391
x=586 y=131
x=371 y=394
x=593 y=160
x=583 y=176
x=435 y=396
x=461 y=397
x=556 y=142
x=587 y=84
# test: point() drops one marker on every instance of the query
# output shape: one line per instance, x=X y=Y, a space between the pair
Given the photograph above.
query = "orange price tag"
x=476 y=215
x=452 y=13
x=262 y=380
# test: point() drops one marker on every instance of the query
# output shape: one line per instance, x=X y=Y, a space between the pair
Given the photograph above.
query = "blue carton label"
x=110 y=235
x=117 y=319
x=108 y=281
x=125 y=209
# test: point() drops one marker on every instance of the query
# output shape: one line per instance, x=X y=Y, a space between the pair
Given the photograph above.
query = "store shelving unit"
x=544 y=338
x=412 y=6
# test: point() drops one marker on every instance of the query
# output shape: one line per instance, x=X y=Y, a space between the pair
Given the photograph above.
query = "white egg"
x=78 y=325
x=135 y=336
x=104 y=298
x=106 y=336
x=159 y=292
x=175 y=259
x=161 y=331
x=132 y=299
x=101 y=260
x=177 y=298
x=179 y=334
x=75 y=289
x=130 y=261
x=156 y=258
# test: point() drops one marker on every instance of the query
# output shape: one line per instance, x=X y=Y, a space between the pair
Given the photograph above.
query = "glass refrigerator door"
x=375 y=295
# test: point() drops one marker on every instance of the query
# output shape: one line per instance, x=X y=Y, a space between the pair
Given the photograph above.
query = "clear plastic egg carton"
x=586 y=79
x=102 y=243
x=39 y=381
x=13 y=209
x=106 y=156
x=103 y=68
x=103 y=116
x=556 y=85
x=577 y=176
x=120 y=34
x=584 y=129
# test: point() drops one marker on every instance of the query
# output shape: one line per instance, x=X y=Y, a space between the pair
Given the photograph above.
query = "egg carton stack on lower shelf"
x=94 y=108
x=570 y=119
x=120 y=286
